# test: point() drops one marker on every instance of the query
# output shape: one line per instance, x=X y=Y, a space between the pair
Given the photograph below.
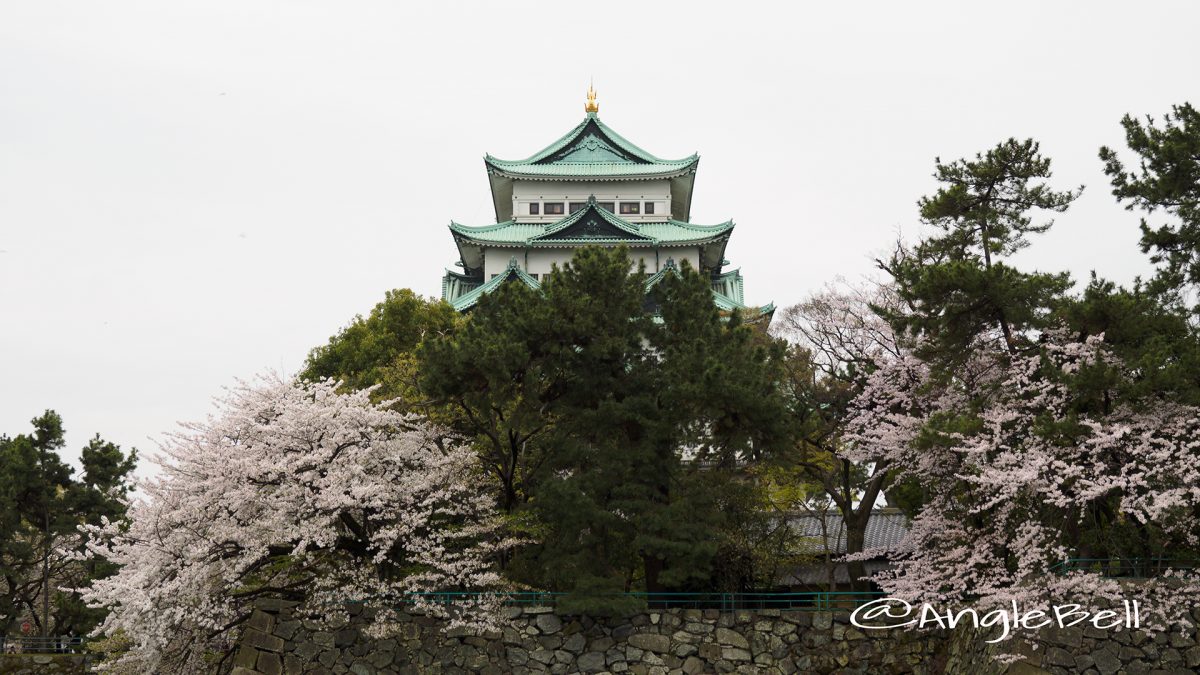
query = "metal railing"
x=1127 y=568
x=805 y=601
x=41 y=645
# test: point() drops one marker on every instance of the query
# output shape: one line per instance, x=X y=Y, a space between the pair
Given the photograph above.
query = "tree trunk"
x=856 y=535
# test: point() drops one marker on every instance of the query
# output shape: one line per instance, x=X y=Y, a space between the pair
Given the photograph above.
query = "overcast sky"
x=192 y=192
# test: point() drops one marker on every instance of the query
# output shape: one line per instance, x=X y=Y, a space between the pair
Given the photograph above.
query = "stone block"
x=260 y=620
x=574 y=643
x=685 y=637
x=735 y=654
x=1137 y=667
x=292 y=665
x=1180 y=640
x=1060 y=657
x=381 y=657
x=307 y=650
x=246 y=657
x=287 y=629
x=590 y=662
x=1106 y=661
x=345 y=637
x=732 y=638
x=651 y=642
x=623 y=631
x=260 y=640
x=324 y=638
x=269 y=664
x=548 y=623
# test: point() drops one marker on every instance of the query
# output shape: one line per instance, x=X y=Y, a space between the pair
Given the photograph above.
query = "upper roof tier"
x=592 y=151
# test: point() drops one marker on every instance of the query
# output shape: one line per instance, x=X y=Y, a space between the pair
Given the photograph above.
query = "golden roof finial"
x=591 y=105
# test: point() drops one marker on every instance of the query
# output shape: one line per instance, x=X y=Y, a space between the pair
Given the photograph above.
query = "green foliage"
x=496 y=378
x=582 y=405
x=1152 y=336
x=379 y=349
x=41 y=507
x=956 y=286
x=1167 y=180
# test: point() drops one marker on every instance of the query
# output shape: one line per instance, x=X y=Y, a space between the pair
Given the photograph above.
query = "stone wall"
x=43 y=664
x=277 y=641
x=1078 y=649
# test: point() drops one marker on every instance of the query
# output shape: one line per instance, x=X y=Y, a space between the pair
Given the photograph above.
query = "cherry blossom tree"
x=1025 y=460
x=840 y=338
x=293 y=490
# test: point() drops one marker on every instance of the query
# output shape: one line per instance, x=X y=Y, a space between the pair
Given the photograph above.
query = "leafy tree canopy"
x=42 y=504
x=956 y=283
x=1166 y=181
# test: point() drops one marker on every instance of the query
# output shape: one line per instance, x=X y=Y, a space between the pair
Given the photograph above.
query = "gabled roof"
x=722 y=301
x=592 y=151
x=511 y=273
x=593 y=224
x=590 y=225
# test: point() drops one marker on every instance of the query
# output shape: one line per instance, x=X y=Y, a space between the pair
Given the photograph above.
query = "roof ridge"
x=468 y=300
x=728 y=224
x=624 y=144
x=454 y=225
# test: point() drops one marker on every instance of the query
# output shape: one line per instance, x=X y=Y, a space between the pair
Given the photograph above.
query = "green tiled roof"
x=512 y=272
x=591 y=150
x=619 y=230
x=722 y=301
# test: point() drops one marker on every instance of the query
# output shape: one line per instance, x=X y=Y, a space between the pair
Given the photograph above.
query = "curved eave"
x=642 y=166
x=512 y=273
x=571 y=136
x=527 y=233
x=591 y=171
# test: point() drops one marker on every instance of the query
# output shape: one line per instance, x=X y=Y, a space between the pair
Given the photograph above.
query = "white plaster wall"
x=524 y=192
x=539 y=261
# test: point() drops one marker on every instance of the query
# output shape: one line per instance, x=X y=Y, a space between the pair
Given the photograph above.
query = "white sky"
x=196 y=191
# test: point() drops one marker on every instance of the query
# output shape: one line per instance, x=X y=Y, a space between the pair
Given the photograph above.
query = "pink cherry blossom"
x=293 y=489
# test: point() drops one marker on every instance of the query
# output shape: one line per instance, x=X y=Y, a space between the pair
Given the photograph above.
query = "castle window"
x=631 y=208
x=554 y=208
x=534 y=208
x=577 y=206
x=649 y=208
x=607 y=206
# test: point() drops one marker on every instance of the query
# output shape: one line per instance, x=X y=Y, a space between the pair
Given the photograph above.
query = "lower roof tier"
x=464 y=291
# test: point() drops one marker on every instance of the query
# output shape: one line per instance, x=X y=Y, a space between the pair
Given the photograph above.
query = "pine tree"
x=1166 y=181
x=957 y=285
